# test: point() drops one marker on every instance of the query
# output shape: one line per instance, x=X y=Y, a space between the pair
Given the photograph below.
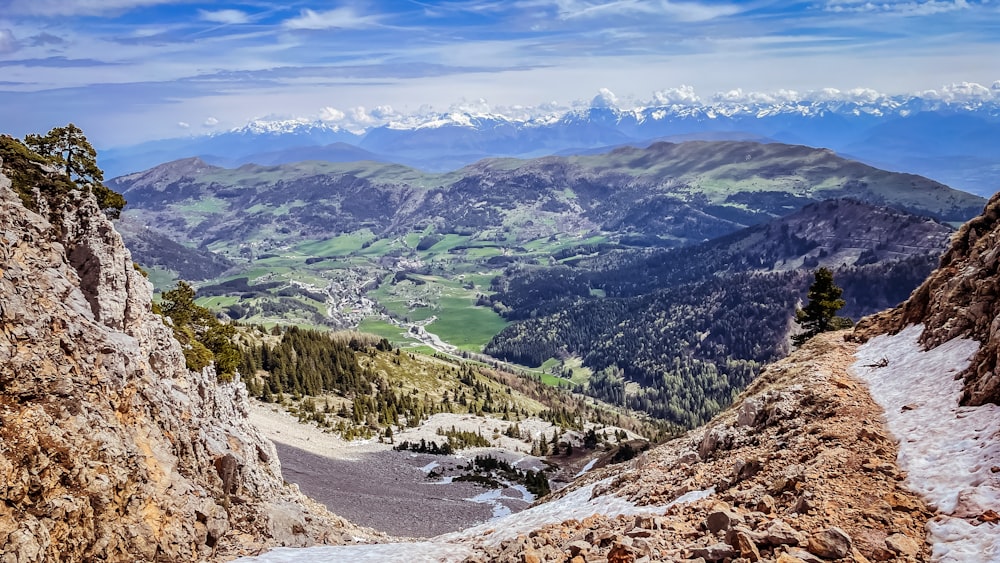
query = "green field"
x=390 y=332
x=462 y=324
x=442 y=289
x=342 y=245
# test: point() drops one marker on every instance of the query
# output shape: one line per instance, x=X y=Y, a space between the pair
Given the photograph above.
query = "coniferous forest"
x=353 y=384
x=691 y=326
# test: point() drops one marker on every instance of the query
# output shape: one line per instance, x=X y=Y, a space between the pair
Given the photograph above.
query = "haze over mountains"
x=948 y=135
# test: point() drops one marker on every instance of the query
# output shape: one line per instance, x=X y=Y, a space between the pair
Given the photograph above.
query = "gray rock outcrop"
x=110 y=449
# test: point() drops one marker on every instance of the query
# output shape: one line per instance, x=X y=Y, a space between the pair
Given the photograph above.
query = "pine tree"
x=68 y=148
x=820 y=314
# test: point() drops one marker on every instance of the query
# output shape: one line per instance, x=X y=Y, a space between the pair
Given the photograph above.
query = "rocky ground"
x=402 y=493
x=801 y=469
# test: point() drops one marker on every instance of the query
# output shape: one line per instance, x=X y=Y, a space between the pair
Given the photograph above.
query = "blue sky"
x=133 y=70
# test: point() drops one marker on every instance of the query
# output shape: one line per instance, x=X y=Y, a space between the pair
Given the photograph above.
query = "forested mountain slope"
x=692 y=326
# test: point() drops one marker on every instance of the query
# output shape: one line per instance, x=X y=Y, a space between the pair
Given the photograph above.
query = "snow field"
x=951 y=454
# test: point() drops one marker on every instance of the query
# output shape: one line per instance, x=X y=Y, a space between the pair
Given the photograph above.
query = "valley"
x=565 y=268
x=643 y=337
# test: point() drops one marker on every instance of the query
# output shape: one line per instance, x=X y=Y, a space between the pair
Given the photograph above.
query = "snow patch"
x=947 y=450
x=493 y=498
x=586 y=468
x=578 y=505
x=456 y=546
x=417 y=552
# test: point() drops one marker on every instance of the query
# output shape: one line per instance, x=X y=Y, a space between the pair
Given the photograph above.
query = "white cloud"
x=386 y=112
x=230 y=17
x=684 y=95
x=330 y=114
x=78 y=7
x=963 y=92
x=680 y=11
x=864 y=95
x=338 y=18
x=604 y=99
x=360 y=116
x=8 y=44
x=183 y=124
x=925 y=8
x=210 y=122
x=478 y=106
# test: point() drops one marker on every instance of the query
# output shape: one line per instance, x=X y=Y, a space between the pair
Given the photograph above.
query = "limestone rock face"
x=960 y=298
x=109 y=448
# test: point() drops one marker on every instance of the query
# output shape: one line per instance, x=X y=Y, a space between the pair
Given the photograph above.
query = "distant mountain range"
x=667 y=194
x=953 y=140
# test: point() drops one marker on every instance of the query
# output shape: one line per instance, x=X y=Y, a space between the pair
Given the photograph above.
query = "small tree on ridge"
x=820 y=314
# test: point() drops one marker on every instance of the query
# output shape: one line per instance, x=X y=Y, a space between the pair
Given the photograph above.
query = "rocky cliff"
x=109 y=448
x=959 y=299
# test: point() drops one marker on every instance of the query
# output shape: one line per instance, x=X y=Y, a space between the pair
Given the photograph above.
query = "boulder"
x=831 y=543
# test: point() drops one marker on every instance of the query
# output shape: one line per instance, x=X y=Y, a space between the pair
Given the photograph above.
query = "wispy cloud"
x=680 y=11
x=161 y=62
x=337 y=18
x=43 y=39
x=77 y=7
x=926 y=8
x=228 y=17
x=7 y=42
x=56 y=62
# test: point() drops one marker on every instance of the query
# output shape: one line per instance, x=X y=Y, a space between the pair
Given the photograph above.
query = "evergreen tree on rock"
x=820 y=314
x=68 y=148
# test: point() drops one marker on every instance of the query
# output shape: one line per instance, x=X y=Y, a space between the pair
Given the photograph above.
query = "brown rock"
x=639 y=533
x=748 y=549
x=900 y=501
x=715 y=552
x=831 y=543
x=621 y=553
x=990 y=516
x=780 y=533
x=766 y=504
x=959 y=299
x=901 y=544
x=803 y=555
x=721 y=520
x=112 y=449
x=579 y=546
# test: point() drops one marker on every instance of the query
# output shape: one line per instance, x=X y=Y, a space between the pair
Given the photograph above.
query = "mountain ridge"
x=695 y=188
x=854 y=123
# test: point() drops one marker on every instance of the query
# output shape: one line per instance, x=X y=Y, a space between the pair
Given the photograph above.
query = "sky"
x=127 y=71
